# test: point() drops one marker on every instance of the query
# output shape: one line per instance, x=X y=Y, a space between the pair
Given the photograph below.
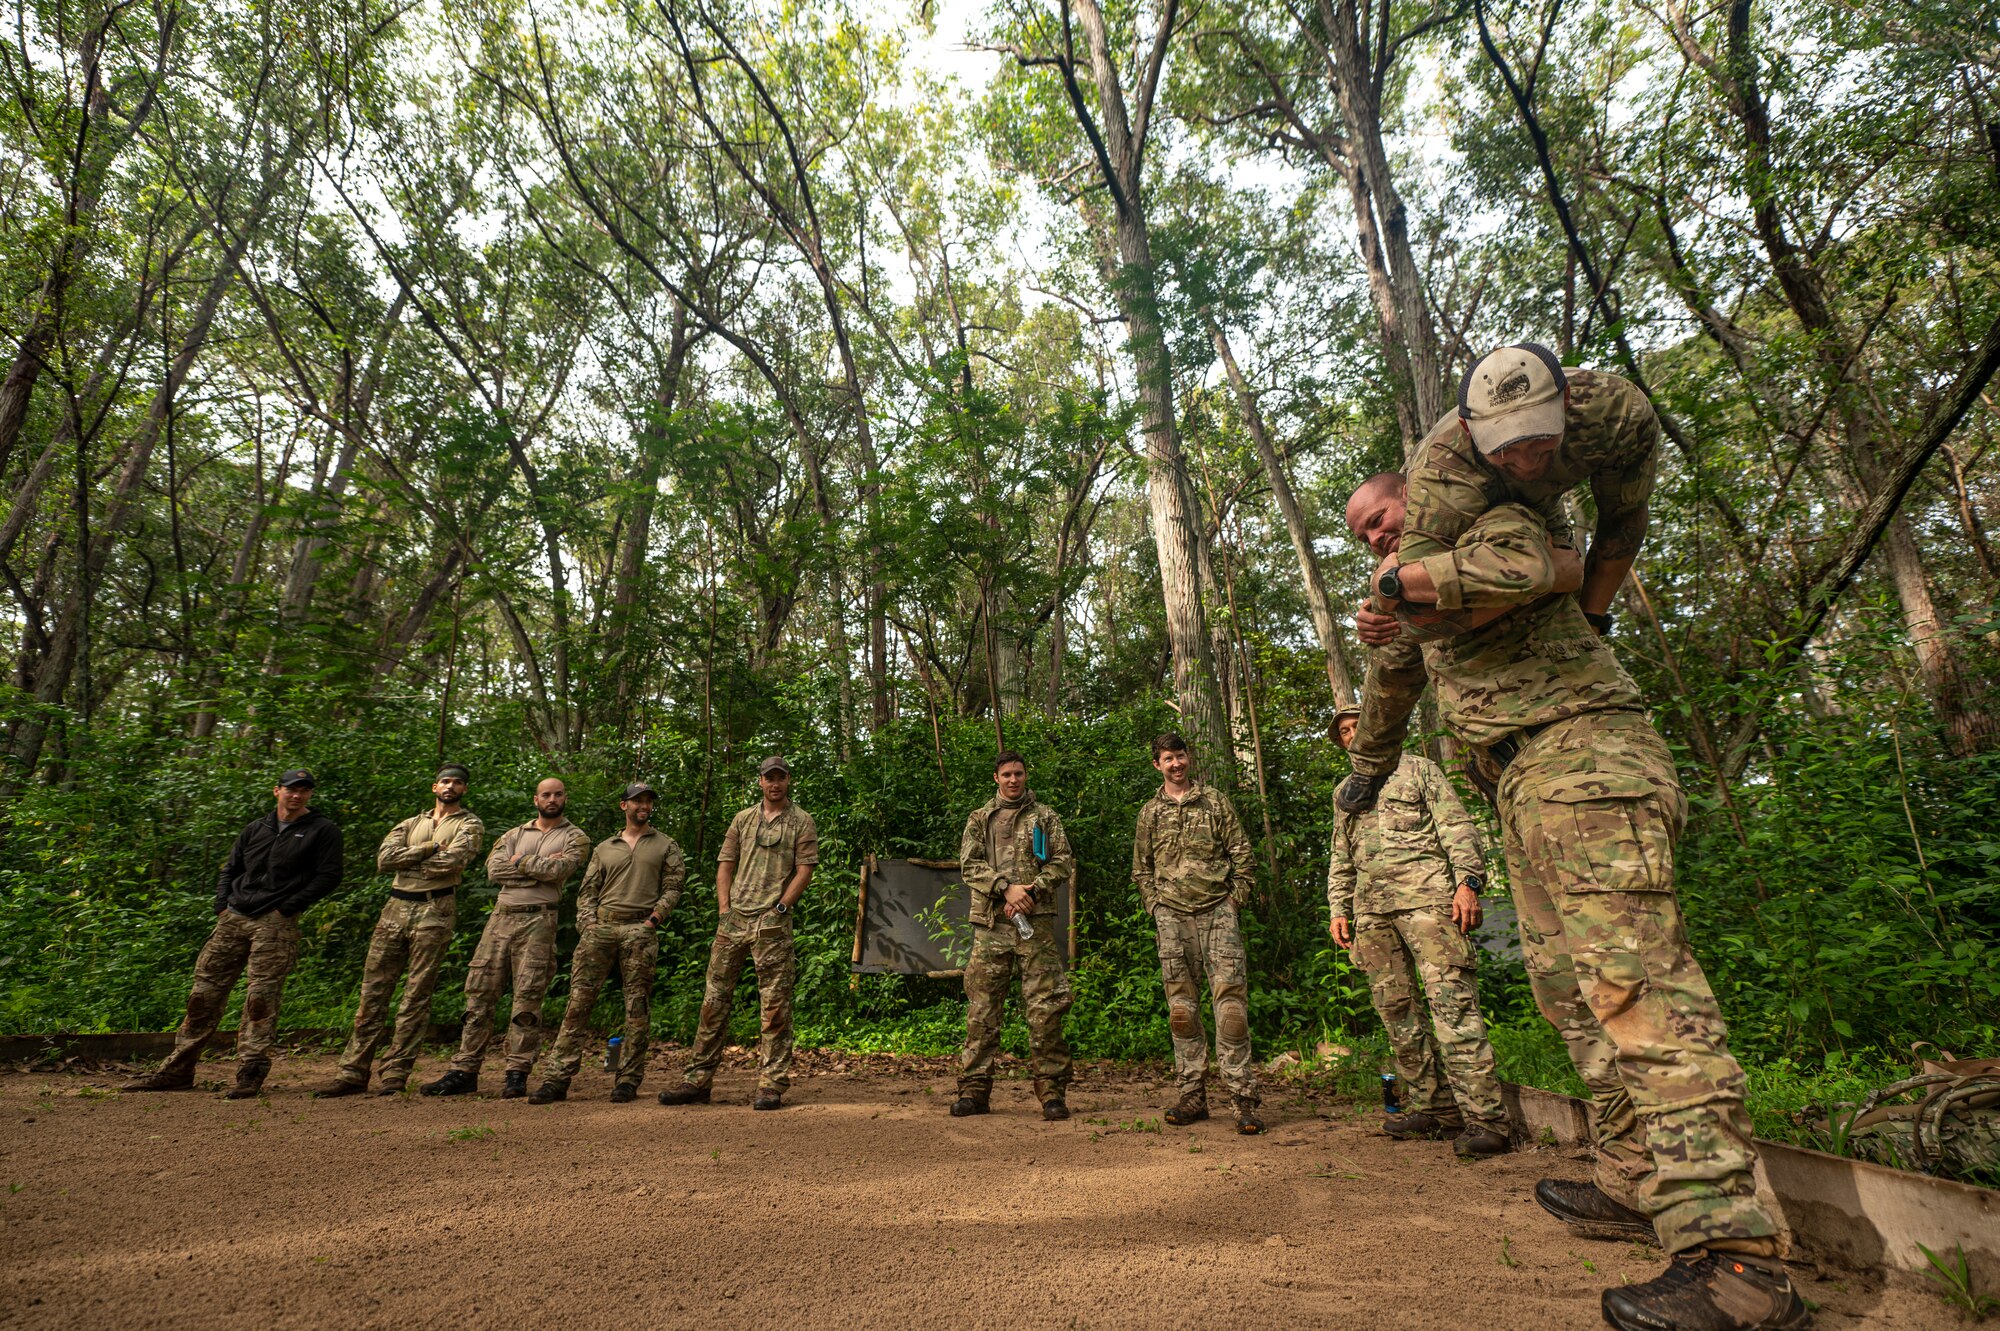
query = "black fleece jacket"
x=284 y=867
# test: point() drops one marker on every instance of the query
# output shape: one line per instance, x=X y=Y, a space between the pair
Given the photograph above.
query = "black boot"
x=687 y=1093
x=1585 y=1208
x=1710 y=1291
x=1055 y=1110
x=1418 y=1127
x=624 y=1093
x=968 y=1104
x=454 y=1082
x=515 y=1087
x=549 y=1092
x=250 y=1074
x=1480 y=1140
x=768 y=1099
x=1248 y=1121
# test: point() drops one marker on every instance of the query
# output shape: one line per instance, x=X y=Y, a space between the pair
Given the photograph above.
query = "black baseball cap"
x=636 y=789
x=298 y=776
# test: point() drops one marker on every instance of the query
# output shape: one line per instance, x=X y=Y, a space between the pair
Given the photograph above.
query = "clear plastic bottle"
x=1022 y=925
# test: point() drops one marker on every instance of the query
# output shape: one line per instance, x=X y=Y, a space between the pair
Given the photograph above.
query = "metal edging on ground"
x=1846 y=1213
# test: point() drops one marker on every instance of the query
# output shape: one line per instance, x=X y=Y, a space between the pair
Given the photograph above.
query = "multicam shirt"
x=1412 y=849
x=1538 y=664
x=1191 y=853
x=547 y=859
x=428 y=854
x=627 y=881
x=988 y=869
x=766 y=852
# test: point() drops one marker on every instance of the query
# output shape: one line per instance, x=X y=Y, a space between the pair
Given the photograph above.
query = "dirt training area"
x=861 y=1203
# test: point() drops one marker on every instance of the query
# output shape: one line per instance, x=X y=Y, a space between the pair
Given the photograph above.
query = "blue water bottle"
x=612 y=1049
x=1390 y=1104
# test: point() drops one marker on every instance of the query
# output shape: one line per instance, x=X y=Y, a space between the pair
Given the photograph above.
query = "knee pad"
x=1232 y=1020
x=1184 y=1018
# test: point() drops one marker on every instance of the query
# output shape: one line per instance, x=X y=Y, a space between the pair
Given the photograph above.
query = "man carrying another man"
x=281 y=863
x=1403 y=885
x=517 y=949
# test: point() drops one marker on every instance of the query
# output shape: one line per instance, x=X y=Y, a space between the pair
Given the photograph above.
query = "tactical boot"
x=333 y=1090
x=454 y=1082
x=1055 y=1111
x=250 y=1074
x=1418 y=1127
x=1710 y=1291
x=969 y=1104
x=166 y=1079
x=391 y=1088
x=515 y=1086
x=549 y=1092
x=1192 y=1108
x=687 y=1093
x=768 y=1099
x=1248 y=1121
x=624 y=1093
x=1587 y=1209
x=1479 y=1141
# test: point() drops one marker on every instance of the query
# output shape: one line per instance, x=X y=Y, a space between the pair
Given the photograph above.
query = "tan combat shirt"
x=766 y=852
x=1412 y=849
x=547 y=859
x=627 y=882
x=992 y=857
x=1191 y=853
x=428 y=854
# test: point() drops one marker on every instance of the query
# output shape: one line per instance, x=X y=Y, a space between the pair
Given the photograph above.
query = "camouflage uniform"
x=998 y=850
x=263 y=950
x=427 y=855
x=1590 y=805
x=517 y=949
x=1393 y=871
x=1191 y=863
x=766 y=852
x=625 y=887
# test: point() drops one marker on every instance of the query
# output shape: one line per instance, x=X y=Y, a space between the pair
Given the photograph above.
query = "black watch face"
x=1389 y=584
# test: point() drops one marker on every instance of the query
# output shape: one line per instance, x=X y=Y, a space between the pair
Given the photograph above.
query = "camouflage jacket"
x=1538 y=664
x=627 y=882
x=1412 y=849
x=1610 y=439
x=766 y=852
x=1191 y=853
x=547 y=860
x=988 y=876
x=427 y=854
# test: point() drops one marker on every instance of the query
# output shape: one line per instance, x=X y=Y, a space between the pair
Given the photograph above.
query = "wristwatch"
x=1601 y=621
x=782 y=908
x=1477 y=882
x=1389 y=583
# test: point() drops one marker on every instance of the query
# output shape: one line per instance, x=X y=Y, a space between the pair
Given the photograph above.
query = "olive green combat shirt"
x=429 y=854
x=625 y=883
x=766 y=852
x=1411 y=850
x=997 y=850
x=547 y=860
x=1191 y=853
x=1541 y=663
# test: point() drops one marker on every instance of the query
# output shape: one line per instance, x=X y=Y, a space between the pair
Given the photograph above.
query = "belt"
x=522 y=910
x=1506 y=750
x=421 y=896
x=624 y=914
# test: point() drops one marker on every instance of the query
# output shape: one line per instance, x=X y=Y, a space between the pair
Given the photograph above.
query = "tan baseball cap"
x=1512 y=394
x=1333 y=727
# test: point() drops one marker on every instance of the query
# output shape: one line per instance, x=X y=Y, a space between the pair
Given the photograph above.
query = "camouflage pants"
x=766 y=941
x=1591 y=808
x=997 y=952
x=1447 y=1064
x=634 y=949
x=412 y=936
x=264 y=948
x=1210 y=943
x=517 y=951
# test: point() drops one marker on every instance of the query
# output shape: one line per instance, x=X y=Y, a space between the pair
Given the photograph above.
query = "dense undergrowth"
x=1832 y=942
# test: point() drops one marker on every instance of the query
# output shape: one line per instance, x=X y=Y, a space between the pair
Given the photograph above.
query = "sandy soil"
x=860 y=1204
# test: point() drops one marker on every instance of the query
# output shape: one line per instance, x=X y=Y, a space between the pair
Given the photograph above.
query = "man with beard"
x=281 y=864
x=1590 y=806
x=1014 y=858
x=517 y=950
x=633 y=883
x=427 y=854
x=766 y=860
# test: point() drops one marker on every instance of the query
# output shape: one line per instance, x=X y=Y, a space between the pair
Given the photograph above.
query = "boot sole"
x=1794 y=1318
x=1616 y=1230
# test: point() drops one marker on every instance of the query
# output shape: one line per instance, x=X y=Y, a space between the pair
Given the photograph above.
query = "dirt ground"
x=861 y=1203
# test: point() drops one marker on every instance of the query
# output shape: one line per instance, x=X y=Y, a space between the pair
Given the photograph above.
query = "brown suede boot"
x=250 y=1074
x=167 y=1078
x=1191 y=1108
